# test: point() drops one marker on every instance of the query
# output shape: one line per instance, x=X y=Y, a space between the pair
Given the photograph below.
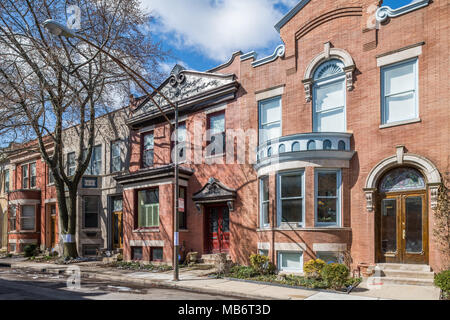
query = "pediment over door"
x=213 y=192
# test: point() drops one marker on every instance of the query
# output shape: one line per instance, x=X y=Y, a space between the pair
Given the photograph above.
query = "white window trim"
x=279 y=254
x=261 y=224
x=338 y=194
x=399 y=56
x=416 y=93
x=260 y=124
x=120 y=143
x=279 y=207
x=318 y=84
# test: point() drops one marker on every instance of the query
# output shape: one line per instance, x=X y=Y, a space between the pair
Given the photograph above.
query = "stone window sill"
x=400 y=123
x=146 y=231
x=306 y=229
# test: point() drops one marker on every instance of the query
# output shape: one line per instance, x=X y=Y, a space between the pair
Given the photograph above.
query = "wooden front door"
x=53 y=226
x=218 y=229
x=117 y=223
x=404 y=228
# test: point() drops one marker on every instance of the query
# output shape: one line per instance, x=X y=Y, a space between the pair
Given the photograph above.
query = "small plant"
x=335 y=275
x=242 y=272
x=442 y=280
x=313 y=268
x=30 y=250
x=261 y=264
x=119 y=257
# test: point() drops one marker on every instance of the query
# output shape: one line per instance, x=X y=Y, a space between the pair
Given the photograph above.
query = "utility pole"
x=176 y=239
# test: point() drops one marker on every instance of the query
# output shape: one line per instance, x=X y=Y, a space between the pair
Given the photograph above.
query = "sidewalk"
x=198 y=281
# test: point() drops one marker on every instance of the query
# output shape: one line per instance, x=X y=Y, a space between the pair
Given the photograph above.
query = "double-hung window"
x=182 y=214
x=269 y=119
x=328 y=197
x=25 y=177
x=71 y=164
x=91 y=211
x=148 y=208
x=116 y=158
x=12 y=217
x=399 y=92
x=33 y=175
x=182 y=143
x=264 y=202
x=6 y=181
x=329 y=97
x=95 y=163
x=51 y=178
x=147 y=150
x=217 y=138
x=28 y=217
x=290 y=198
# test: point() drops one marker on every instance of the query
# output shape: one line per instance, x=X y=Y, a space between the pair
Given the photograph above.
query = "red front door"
x=218 y=227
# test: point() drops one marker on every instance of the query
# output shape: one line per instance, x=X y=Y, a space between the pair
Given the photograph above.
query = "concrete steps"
x=410 y=274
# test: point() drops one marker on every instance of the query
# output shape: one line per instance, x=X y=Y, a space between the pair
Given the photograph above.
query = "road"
x=17 y=284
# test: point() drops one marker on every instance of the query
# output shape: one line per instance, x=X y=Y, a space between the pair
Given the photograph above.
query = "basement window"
x=157 y=254
x=136 y=253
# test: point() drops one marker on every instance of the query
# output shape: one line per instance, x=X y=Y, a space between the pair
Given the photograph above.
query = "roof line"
x=291 y=14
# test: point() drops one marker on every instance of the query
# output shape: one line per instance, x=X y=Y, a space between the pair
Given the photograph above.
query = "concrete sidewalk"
x=198 y=281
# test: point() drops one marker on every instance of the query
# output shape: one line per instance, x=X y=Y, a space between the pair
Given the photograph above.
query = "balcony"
x=305 y=147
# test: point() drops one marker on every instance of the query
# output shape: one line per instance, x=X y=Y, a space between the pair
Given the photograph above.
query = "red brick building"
x=351 y=119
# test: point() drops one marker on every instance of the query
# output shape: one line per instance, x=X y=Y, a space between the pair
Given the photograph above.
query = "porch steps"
x=210 y=259
x=410 y=274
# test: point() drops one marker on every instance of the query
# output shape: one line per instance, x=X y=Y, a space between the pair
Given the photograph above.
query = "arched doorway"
x=402 y=217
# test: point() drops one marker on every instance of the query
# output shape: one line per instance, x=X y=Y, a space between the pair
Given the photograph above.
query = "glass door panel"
x=413 y=234
x=389 y=225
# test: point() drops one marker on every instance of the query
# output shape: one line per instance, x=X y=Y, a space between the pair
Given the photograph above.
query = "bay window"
x=269 y=119
x=264 y=202
x=399 y=86
x=28 y=217
x=12 y=217
x=328 y=197
x=148 y=208
x=290 y=198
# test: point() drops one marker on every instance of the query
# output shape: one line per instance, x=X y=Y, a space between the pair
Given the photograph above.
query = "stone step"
x=211 y=258
x=393 y=273
x=401 y=281
x=404 y=267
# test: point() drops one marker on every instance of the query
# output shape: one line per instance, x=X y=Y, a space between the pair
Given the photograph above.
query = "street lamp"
x=59 y=29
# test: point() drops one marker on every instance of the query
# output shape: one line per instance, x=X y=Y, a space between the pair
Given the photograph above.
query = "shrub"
x=30 y=250
x=442 y=280
x=335 y=275
x=313 y=268
x=261 y=264
x=242 y=272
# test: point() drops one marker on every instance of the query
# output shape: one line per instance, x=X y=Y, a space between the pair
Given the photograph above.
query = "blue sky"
x=202 y=34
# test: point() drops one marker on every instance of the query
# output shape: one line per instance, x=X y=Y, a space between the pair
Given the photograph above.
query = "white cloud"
x=217 y=28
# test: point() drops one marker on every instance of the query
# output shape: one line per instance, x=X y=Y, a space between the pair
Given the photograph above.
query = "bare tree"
x=48 y=83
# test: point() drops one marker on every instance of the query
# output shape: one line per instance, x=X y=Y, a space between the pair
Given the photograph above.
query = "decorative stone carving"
x=308 y=86
x=400 y=154
x=214 y=192
x=349 y=77
x=369 y=199
x=386 y=12
x=434 y=195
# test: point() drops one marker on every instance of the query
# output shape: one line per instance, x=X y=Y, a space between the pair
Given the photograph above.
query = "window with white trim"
x=330 y=256
x=71 y=164
x=116 y=156
x=329 y=97
x=33 y=175
x=6 y=181
x=290 y=198
x=264 y=202
x=328 y=197
x=25 y=177
x=399 y=92
x=269 y=119
x=148 y=208
x=291 y=261
x=28 y=217
x=95 y=163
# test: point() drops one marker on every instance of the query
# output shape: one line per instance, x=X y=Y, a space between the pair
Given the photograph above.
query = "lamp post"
x=59 y=29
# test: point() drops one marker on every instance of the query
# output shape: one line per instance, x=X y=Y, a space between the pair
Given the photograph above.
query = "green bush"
x=242 y=272
x=335 y=275
x=30 y=250
x=442 y=280
x=261 y=264
x=313 y=268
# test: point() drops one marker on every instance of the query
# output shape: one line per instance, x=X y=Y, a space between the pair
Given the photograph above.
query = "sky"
x=202 y=34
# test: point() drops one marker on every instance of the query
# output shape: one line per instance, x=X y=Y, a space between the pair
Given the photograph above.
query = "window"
x=25 y=177
x=136 y=253
x=156 y=254
x=290 y=261
x=27 y=218
x=116 y=158
x=216 y=128
x=90 y=250
x=399 y=84
x=182 y=215
x=6 y=188
x=328 y=197
x=95 y=164
x=91 y=206
x=269 y=119
x=263 y=252
x=182 y=142
x=148 y=208
x=33 y=175
x=51 y=178
x=147 y=150
x=290 y=198
x=264 y=202
x=12 y=217
x=329 y=257
x=329 y=97
x=71 y=165
x=12 y=247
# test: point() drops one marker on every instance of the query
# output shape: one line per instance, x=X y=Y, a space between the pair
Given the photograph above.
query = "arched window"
x=402 y=179
x=329 y=97
x=282 y=148
x=341 y=146
x=269 y=152
x=327 y=145
x=311 y=145
x=296 y=146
